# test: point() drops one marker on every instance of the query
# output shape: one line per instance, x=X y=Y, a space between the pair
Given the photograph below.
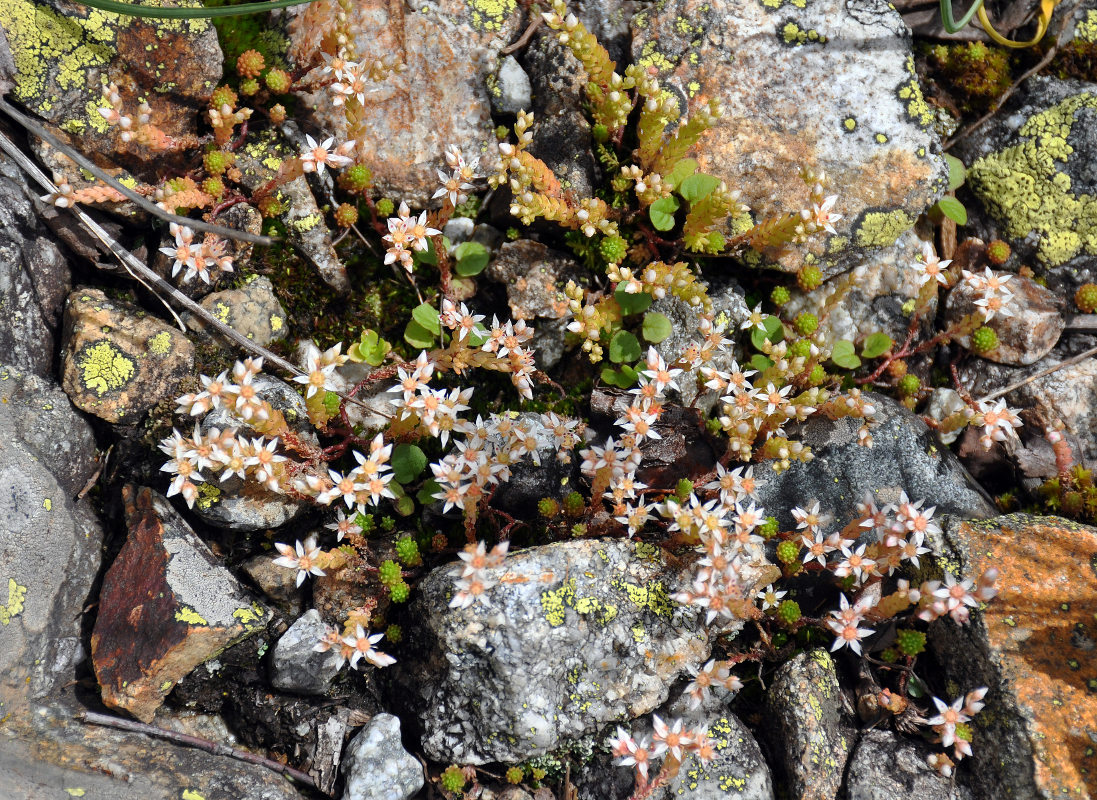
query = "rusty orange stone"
x=1040 y=634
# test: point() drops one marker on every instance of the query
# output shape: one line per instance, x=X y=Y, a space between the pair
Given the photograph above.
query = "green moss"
x=1024 y=190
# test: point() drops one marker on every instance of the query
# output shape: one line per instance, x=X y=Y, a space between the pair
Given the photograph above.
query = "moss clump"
x=983 y=340
x=1086 y=298
x=975 y=73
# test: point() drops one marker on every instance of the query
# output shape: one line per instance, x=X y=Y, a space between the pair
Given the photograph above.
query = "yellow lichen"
x=17 y=596
x=160 y=344
x=1086 y=30
x=881 y=228
x=190 y=616
x=104 y=368
x=249 y=616
x=489 y=15
x=1025 y=191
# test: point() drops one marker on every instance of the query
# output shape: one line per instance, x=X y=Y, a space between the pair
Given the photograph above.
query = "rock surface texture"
x=166 y=606
x=296 y=666
x=118 y=361
x=377 y=767
x=886 y=766
x=775 y=67
x=1033 y=647
x=905 y=456
x=573 y=636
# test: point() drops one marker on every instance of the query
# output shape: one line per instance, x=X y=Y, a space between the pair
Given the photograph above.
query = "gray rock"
x=376 y=765
x=775 y=72
x=535 y=277
x=296 y=666
x=870 y=297
x=278 y=584
x=886 y=766
x=237 y=505
x=252 y=310
x=459 y=229
x=1026 y=335
x=512 y=92
x=1068 y=394
x=1032 y=168
x=32 y=270
x=561 y=133
x=569 y=642
x=812 y=740
x=905 y=456
x=727 y=302
x=739 y=771
x=45 y=422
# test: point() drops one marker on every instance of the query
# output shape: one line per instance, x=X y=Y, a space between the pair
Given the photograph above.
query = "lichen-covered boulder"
x=1032 y=168
x=252 y=310
x=573 y=636
x=117 y=361
x=66 y=54
x=449 y=47
x=166 y=606
x=811 y=738
x=905 y=456
x=828 y=85
x=1032 y=645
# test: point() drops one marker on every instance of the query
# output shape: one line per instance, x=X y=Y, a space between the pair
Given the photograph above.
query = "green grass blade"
x=948 y=20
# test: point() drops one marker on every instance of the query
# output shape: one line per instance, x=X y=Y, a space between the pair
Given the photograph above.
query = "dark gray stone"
x=296 y=665
x=887 y=766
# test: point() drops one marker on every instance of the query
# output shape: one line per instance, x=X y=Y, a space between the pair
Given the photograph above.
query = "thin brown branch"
x=1041 y=374
x=142 y=201
x=118 y=723
x=523 y=40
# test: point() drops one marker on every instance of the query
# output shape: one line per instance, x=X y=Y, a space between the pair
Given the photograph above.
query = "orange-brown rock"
x=1034 y=647
x=167 y=605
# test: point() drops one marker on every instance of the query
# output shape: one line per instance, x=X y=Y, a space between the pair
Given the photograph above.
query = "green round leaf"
x=876 y=345
x=623 y=347
x=418 y=336
x=956 y=171
x=697 y=187
x=426 y=492
x=656 y=327
x=682 y=170
x=427 y=316
x=760 y=362
x=953 y=209
x=632 y=303
x=774 y=332
x=408 y=462
x=844 y=355
x=662 y=212
x=471 y=258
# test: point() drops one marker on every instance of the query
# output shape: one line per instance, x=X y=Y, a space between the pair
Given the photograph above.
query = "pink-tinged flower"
x=363 y=648
x=844 y=624
x=930 y=267
x=318 y=156
x=669 y=739
x=821 y=216
x=639 y=756
x=302 y=558
x=947 y=718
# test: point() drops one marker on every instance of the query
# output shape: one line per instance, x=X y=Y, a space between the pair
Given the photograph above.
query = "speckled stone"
x=1032 y=168
x=574 y=636
x=252 y=310
x=1032 y=646
x=296 y=665
x=829 y=85
x=118 y=361
x=887 y=766
x=166 y=606
x=376 y=765
x=511 y=92
x=869 y=297
x=449 y=47
x=1026 y=335
x=905 y=456
x=807 y=729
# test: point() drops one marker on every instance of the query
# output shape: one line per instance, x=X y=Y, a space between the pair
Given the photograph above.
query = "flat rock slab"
x=573 y=636
x=825 y=84
x=117 y=361
x=1033 y=646
x=166 y=606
